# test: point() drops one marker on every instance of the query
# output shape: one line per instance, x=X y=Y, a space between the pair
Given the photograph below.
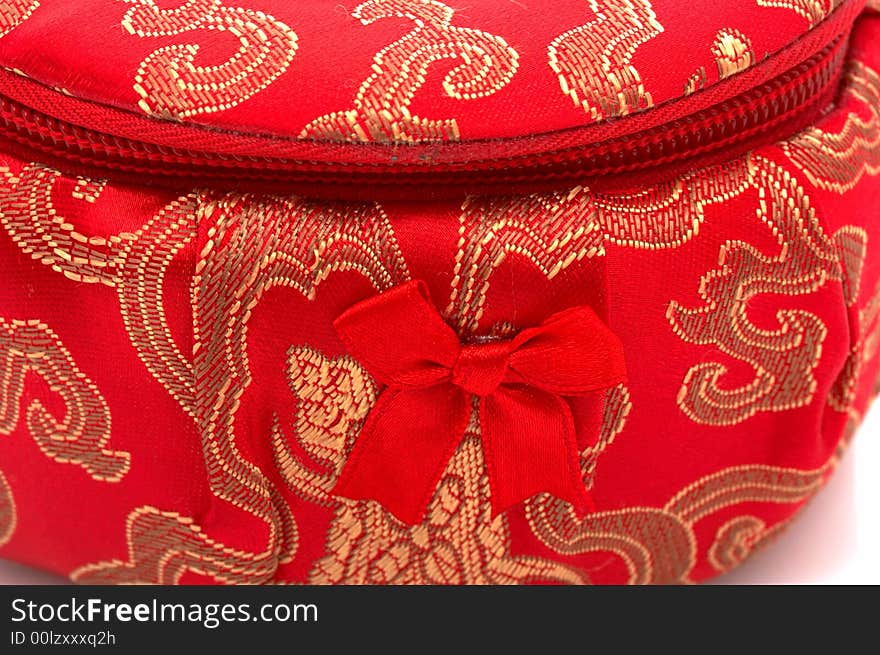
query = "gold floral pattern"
x=135 y=264
x=852 y=244
x=334 y=397
x=144 y=261
x=594 y=61
x=484 y=64
x=617 y=407
x=457 y=543
x=554 y=231
x=170 y=82
x=752 y=483
x=29 y=214
x=655 y=546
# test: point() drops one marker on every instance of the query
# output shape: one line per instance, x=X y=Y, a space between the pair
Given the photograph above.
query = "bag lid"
x=321 y=90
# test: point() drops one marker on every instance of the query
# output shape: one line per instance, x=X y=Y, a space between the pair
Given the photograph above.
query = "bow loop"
x=526 y=425
x=572 y=353
x=399 y=337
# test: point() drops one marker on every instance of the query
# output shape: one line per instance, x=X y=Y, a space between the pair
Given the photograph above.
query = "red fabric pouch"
x=430 y=292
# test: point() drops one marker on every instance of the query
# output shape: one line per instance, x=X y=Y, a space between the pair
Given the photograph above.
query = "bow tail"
x=530 y=446
x=404 y=447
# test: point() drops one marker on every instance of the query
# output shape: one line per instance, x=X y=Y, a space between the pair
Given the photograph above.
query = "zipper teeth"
x=732 y=121
x=736 y=120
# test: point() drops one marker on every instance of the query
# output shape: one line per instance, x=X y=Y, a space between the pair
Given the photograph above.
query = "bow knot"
x=480 y=368
x=526 y=424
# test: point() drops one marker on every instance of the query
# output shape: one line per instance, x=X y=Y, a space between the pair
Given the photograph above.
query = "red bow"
x=528 y=431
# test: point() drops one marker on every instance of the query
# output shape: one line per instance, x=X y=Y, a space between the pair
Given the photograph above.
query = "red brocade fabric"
x=430 y=381
x=633 y=376
x=299 y=85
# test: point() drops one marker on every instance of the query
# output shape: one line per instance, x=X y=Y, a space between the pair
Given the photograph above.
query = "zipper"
x=775 y=107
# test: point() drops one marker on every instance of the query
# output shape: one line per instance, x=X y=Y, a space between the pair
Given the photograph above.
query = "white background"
x=835 y=540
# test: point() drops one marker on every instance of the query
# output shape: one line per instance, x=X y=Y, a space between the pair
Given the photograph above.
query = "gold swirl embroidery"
x=837 y=161
x=594 y=61
x=381 y=113
x=162 y=546
x=866 y=343
x=254 y=243
x=852 y=245
x=552 y=231
x=784 y=358
x=82 y=435
x=29 y=215
x=737 y=539
x=752 y=483
x=659 y=546
x=733 y=54
x=8 y=516
x=14 y=12
x=172 y=85
x=655 y=546
x=137 y=264
x=812 y=10
x=555 y=230
x=144 y=265
x=618 y=405
x=134 y=263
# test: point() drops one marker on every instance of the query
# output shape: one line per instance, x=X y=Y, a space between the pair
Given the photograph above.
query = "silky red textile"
x=629 y=377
